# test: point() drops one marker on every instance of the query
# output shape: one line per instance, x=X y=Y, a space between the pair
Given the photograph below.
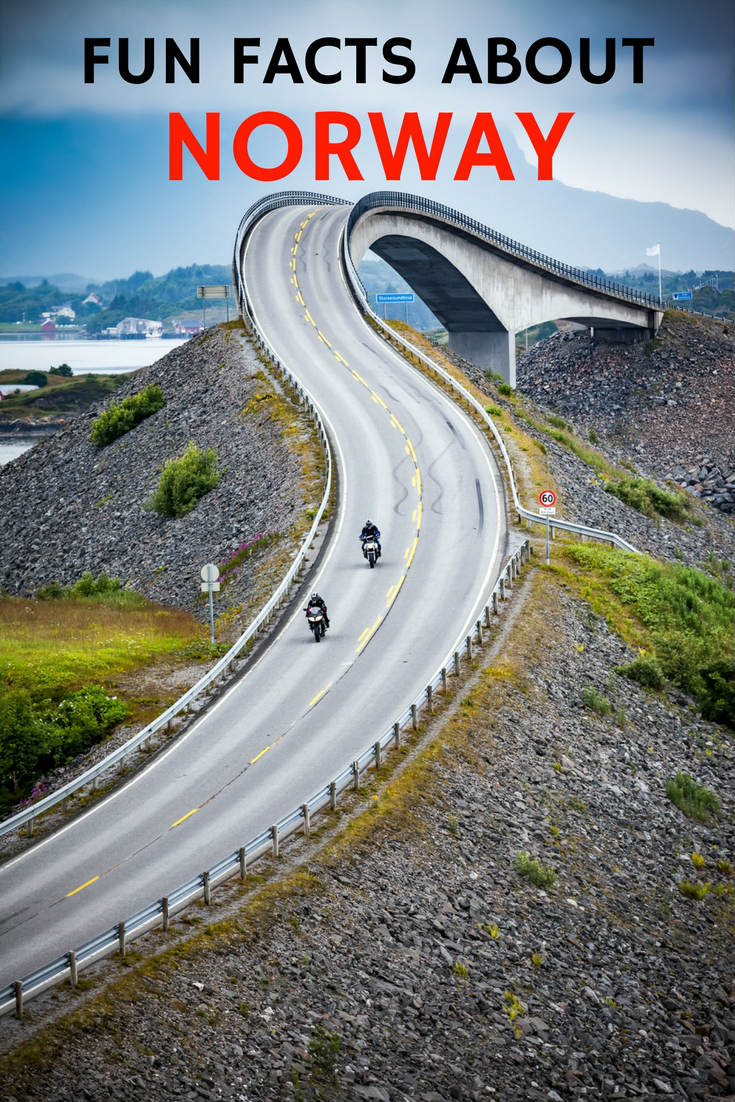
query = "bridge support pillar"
x=493 y=351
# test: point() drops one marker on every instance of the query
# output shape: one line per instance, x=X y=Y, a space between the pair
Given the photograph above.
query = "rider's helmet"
x=314 y=599
x=368 y=524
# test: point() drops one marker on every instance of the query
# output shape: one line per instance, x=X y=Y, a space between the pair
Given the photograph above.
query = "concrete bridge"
x=484 y=287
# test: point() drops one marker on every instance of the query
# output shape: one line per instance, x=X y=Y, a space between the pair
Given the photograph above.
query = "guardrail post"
x=397 y=734
x=121 y=937
x=509 y=576
x=430 y=699
x=73 y=974
x=164 y=913
x=495 y=601
x=18 y=985
x=243 y=862
x=333 y=795
x=356 y=776
x=444 y=680
x=376 y=751
x=30 y=827
x=456 y=663
x=207 y=888
x=274 y=836
x=487 y=616
x=414 y=717
x=478 y=625
x=468 y=646
x=307 y=820
x=501 y=587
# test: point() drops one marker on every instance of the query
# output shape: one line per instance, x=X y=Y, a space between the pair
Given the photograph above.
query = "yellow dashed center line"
x=259 y=756
x=300 y=299
x=323 y=338
x=341 y=359
x=309 y=318
x=298 y=235
x=318 y=696
x=368 y=633
x=356 y=375
x=82 y=887
x=184 y=818
x=413 y=552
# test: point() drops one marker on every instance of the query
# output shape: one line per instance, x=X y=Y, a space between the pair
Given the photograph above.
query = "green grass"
x=692 y=798
x=596 y=702
x=51 y=647
x=643 y=495
x=674 y=613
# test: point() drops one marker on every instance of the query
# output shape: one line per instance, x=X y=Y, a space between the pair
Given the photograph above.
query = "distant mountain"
x=65 y=281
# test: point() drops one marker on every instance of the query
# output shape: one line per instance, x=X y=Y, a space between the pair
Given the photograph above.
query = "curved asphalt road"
x=411 y=461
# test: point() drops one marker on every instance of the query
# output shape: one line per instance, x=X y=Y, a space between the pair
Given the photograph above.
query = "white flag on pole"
x=654 y=250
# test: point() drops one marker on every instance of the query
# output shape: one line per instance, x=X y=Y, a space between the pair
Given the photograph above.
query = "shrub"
x=62 y=369
x=494 y=411
x=19 y=741
x=643 y=495
x=696 y=801
x=124 y=416
x=593 y=437
x=693 y=891
x=506 y=389
x=595 y=701
x=540 y=875
x=646 y=671
x=87 y=586
x=557 y=422
x=35 y=378
x=183 y=481
x=80 y=720
x=323 y=1050
x=50 y=592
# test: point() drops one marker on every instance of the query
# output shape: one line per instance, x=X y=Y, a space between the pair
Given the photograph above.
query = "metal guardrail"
x=526 y=514
x=221 y=667
x=159 y=913
x=398 y=201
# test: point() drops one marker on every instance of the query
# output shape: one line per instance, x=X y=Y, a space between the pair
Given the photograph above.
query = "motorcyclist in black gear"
x=371 y=531
x=315 y=599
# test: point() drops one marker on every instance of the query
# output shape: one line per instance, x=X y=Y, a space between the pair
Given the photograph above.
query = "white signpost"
x=547 y=501
x=210 y=585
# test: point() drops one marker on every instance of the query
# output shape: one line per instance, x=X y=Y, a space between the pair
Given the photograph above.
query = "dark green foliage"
x=324 y=1047
x=62 y=369
x=124 y=416
x=19 y=742
x=505 y=388
x=557 y=422
x=184 y=481
x=101 y=590
x=643 y=495
x=88 y=586
x=35 y=378
x=541 y=875
x=696 y=801
x=80 y=720
x=646 y=671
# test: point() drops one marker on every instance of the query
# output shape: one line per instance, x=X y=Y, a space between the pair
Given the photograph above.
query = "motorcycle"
x=370 y=550
x=315 y=618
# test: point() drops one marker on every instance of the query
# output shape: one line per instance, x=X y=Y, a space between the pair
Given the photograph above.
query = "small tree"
x=19 y=738
x=62 y=369
x=184 y=480
x=35 y=378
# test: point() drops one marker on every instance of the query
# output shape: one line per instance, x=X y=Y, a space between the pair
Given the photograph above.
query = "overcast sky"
x=84 y=183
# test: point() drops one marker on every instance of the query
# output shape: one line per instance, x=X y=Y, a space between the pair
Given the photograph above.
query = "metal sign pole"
x=547 y=539
x=211 y=598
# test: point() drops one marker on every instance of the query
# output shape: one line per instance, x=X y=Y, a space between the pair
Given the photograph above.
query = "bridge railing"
x=523 y=514
x=402 y=201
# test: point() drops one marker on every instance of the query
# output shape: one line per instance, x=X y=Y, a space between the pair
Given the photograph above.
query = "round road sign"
x=547 y=497
x=210 y=572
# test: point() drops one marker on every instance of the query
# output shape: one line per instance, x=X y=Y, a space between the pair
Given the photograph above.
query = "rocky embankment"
x=69 y=506
x=668 y=404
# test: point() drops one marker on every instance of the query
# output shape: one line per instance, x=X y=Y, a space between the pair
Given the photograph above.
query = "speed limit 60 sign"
x=547 y=497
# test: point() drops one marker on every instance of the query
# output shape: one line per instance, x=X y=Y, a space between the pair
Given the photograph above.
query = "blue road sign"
x=681 y=296
x=395 y=298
